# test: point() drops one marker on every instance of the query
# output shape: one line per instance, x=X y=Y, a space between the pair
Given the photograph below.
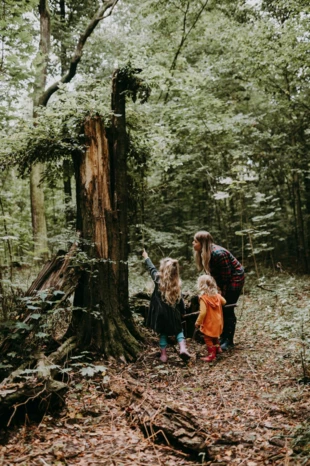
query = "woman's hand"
x=145 y=254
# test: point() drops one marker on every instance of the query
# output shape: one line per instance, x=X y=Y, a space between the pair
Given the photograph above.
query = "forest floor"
x=253 y=401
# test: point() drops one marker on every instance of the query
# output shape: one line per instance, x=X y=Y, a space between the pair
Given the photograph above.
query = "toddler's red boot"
x=211 y=354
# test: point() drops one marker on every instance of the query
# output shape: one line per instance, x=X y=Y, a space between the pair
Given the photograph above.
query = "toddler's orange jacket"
x=210 y=316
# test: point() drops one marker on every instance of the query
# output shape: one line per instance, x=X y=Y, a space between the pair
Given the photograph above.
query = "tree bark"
x=38 y=212
x=301 y=243
x=119 y=157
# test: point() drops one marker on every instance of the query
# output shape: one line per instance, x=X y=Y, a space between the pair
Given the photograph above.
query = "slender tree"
x=36 y=175
x=42 y=96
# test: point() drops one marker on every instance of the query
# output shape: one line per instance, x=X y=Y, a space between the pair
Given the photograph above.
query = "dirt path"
x=250 y=400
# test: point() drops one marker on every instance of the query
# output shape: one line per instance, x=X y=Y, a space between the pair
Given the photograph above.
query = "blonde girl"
x=167 y=305
x=210 y=319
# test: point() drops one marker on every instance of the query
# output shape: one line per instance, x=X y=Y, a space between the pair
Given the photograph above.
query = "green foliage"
x=222 y=142
x=91 y=370
x=287 y=321
x=134 y=86
x=17 y=31
x=301 y=440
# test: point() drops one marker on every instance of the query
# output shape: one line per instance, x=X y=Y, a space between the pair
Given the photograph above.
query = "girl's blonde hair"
x=169 y=281
x=202 y=258
x=207 y=285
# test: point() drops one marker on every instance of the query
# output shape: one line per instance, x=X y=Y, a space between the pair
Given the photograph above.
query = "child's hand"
x=145 y=254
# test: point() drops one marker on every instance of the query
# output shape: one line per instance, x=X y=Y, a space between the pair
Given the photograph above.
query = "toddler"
x=210 y=319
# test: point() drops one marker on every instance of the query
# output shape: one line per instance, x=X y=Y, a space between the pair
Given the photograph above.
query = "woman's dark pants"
x=230 y=320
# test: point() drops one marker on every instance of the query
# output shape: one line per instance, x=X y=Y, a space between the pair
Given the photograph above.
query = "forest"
x=128 y=126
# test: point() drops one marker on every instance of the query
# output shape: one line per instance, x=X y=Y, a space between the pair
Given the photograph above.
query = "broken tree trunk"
x=102 y=319
x=58 y=274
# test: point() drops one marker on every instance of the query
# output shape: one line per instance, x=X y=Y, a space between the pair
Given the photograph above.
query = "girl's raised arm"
x=151 y=267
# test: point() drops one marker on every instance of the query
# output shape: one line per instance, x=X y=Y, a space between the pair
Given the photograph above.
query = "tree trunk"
x=119 y=145
x=67 y=173
x=103 y=319
x=301 y=244
x=36 y=190
x=38 y=212
x=43 y=95
x=102 y=292
x=67 y=164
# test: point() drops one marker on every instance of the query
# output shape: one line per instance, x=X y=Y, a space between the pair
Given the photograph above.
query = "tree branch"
x=184 y=37
x=77 y=55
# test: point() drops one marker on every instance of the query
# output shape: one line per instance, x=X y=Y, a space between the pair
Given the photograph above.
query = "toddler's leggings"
x=211 y=341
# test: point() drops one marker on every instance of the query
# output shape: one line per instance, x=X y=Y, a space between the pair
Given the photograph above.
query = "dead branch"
x=77 y=54
x=265 y=288
x=63 y=350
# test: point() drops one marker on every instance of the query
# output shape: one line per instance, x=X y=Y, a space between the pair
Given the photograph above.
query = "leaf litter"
x=253 y=401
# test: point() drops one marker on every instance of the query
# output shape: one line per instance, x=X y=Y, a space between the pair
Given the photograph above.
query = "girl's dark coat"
x=161 y=317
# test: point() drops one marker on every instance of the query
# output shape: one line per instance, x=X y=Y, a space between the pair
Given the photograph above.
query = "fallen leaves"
x=249 y=403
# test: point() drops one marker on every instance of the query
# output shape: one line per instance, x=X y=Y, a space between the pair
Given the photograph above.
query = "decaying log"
x=24 y=396
x=161 y=422
x=19 y=392
x=63 y=350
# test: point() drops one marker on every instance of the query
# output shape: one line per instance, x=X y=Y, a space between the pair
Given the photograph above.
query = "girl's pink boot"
x=184 y=354
x=163 y=355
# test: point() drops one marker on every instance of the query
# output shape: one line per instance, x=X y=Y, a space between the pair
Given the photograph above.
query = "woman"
x=228 y=274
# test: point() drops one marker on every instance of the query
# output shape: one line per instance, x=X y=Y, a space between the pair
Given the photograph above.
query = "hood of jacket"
x=212 y=301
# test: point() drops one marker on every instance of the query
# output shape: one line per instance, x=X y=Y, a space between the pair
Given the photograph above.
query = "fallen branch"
x=267 y=289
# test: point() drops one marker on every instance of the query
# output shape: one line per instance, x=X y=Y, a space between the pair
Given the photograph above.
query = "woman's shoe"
x=226 y=345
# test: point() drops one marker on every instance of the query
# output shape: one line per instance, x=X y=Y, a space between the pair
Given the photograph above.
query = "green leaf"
x=41 y=335
x=87 y=371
